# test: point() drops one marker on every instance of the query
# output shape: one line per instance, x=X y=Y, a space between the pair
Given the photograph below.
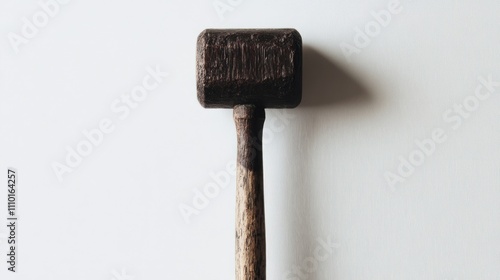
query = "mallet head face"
x=261 y=67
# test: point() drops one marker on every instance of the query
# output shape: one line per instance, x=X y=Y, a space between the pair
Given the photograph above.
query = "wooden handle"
x=250 y=223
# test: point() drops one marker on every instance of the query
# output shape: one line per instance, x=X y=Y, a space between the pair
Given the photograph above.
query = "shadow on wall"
x=326 y=84
x=326 y=87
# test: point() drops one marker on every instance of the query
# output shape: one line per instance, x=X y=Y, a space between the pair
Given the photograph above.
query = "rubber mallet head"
x=261 y=67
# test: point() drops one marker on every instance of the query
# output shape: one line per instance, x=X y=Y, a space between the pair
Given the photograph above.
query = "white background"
x=117 y=214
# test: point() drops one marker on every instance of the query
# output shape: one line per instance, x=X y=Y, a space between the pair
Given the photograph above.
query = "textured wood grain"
x=249 y=66
x=249 y=70
x=250 y=222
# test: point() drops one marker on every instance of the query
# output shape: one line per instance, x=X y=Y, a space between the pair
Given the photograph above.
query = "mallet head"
x=260 y=67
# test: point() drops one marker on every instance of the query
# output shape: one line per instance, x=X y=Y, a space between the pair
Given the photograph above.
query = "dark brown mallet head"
x=261 y=67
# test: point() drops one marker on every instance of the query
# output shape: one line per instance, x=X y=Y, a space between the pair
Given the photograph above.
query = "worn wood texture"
x=249 y=66
x=250 y=222
x=249 y=70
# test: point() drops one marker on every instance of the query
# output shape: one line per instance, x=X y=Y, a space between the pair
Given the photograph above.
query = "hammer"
x=249 y=70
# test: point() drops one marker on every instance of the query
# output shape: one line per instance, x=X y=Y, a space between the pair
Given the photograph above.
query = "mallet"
x=249 y=70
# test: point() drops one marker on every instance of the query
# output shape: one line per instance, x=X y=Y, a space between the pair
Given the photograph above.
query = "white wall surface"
x=367 y=99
